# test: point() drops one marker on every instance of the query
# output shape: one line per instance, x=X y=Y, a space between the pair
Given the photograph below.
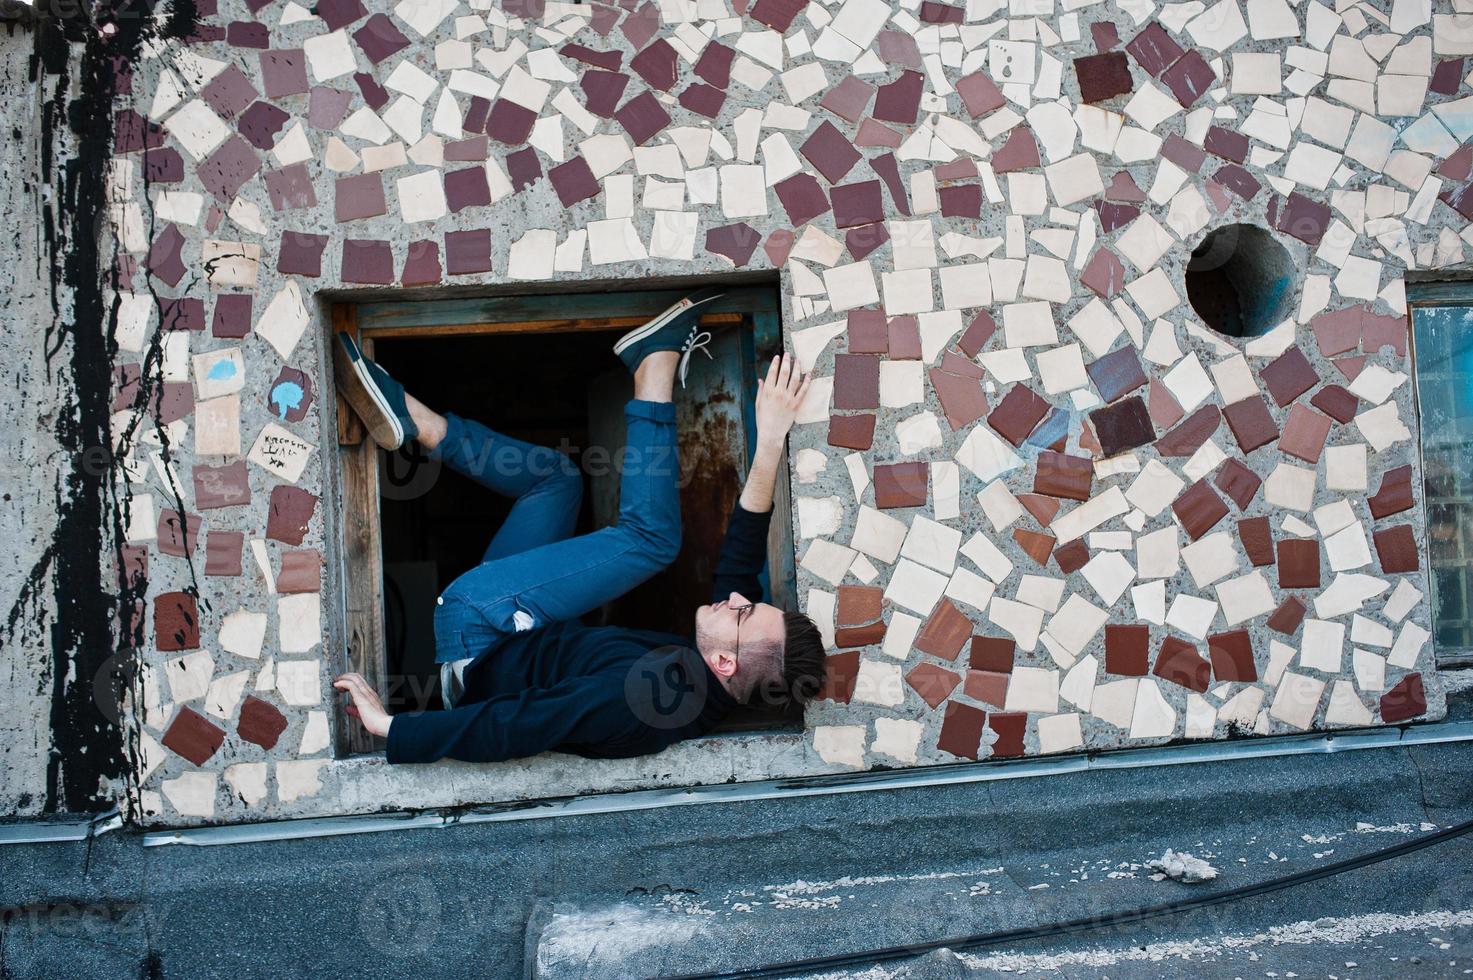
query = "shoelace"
x=698 y=340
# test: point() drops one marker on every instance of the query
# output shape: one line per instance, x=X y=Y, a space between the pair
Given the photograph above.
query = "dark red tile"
x=980 y=94
x=803 y=198
x=1035 y=545
x=283 y=72
x=1235 y=179
x=656 y=64
x=475 y=150
x=1064 y=476
x=248 y=34
x=1071 y=556
x=643 y=117
x=222 y=552
x=359 y=196
x=962 y=399
x=932 y=682
x=961 y=201
x=467 y=252
x=1306 y=220
x=1018 y=152
x=1010 y=727
x=1447 y=76
x=1115 y=216
x=177 y=536
x=184 y=313
x=1288 y=376
x=1395 y=493
x=714 y=64
x=573 y=181
x=961 y=730
x=780 y=242
x=1238 y=482
x=941 y=13
x=232 y=315
x=1104 y=274
x=229 y=92
x=379 y=38
x=1304 y=434
x=609 y=60
x=260 y=125
x=1299 y=563
x=1251 y=424
x=706 y=100
x=225 y=172
x=175 y=622
x=1189 y=78
x=859 y=604
x=977 y=334
x=1043 y=508
x=510 y=123
x=1018 y=414
x=962 y=168
x=1105 y=35
x=1127 y=650
x=1116 y=374
x=301 y=571
x=900 y=101
x=849 y=637
x=867 y=332
x=992 y=653
x=898 y=49
x=841 y=670
x=1396 y=547
x=736 y=242
x=900 y=485
x=1199 y=508
x=1232 y=656
x=326 y=107
x=1287 y=617
x=1405 y=701
x=865 y=239
x=602 y=91
x=301 y=254
x=1226 y=143
x=1188 y=437
x=889 y=172
x=852 y=431
x=467 y=188
x=1154 y=49
x=221 y=486
x=193 y=736
x=1103 y=76
x=1123 y=425
x=163 y=165
x=421 y=264
x=858 y=204
x=777 y=14
x=1335 y=402
x=1180 y=663
x=849 y=99
x=367 y=262
x=856 y=381
x=260 y=722
x=830 y=152
x=475 y=115
x=986 y=686
x=905 y=338
x=945 y=632
x=1187 y=156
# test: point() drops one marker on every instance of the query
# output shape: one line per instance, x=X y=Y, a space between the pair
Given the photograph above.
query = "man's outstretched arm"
x=744 y=550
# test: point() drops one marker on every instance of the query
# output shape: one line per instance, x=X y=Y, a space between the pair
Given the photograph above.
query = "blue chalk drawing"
x=223 y=370
x=287 y=396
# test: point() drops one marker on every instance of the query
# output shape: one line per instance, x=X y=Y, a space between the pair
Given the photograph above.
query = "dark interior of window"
x=565 y=390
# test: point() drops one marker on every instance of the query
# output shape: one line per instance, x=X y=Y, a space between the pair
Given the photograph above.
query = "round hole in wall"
x=1240 y=280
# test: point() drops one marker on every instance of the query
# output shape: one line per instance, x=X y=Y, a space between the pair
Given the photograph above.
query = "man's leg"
x=565 y=579
x=546 y=484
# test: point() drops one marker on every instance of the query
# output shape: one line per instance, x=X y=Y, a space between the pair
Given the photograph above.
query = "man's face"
x=723 y=627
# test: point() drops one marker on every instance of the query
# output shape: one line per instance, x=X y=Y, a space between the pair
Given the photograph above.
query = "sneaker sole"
x=658 y=323
x=364 y=397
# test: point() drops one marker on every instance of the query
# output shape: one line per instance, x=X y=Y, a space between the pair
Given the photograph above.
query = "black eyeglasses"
x=742 y=613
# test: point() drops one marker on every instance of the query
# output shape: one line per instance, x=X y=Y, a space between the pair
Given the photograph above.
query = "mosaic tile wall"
x=1039 y=506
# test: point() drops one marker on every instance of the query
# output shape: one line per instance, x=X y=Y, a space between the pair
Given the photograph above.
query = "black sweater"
x=604 y=692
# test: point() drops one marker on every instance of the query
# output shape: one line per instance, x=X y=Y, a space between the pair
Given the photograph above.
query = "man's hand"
x=366 y=706
x=779 y=396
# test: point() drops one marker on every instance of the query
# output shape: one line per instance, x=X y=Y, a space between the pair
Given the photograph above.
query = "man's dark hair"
x=802 y=658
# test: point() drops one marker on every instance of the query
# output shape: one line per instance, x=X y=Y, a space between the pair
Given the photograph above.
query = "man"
x=520 y=674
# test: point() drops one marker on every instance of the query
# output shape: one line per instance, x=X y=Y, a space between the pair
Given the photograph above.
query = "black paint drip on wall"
x=96 y=620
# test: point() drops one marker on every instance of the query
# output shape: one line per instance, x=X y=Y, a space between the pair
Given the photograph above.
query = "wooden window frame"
x=360 y=551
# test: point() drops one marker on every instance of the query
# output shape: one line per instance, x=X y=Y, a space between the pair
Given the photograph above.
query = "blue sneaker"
x=678 y=328
x=376 y=398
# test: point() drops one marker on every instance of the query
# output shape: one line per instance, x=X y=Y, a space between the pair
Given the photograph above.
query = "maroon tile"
x=1288 y=376
x=1237 y=180
x=1447 y=76
x=523 y=168
x=1287 y=617
x=865 y=239
x=1226 y=143
x=1115 y=216
x=379 y=38
x=1180 y=663
x=300 y=254
x=1251 y=423
x=1299 y=563
x=1405 y=701
x=714 y=64
x=367 y=261
x=222 y=552
x=1018 y=414
x=736 y=242
x=642 y=25
x=1035 y=545
x=326 y=107
x=510 y=123
x=374 y=94
x=1009 y=727
x=978 y=332
x=889 y=171
x=175 y=622
x=1123 y=425
x=1379 y=330
x=1103 y=76
x=852 y=431
x=1238 y=482
x=867 y=332
x=232 y=315
x=1153 y=49
x=897 y=48
x=229 y=92
x=900 y=485
x=859 y=604
x=980 y=94
x=163 y=165
x=642 y=117
x=177 y=536
x=184 y=313
x=992 y=653
x=1061 y=475
x=1305 y=433
x=779 y=243
x=248 y=34
x=1116 y=374
x=1458 y=168
x=1335 y=402
x=221 y=486
x=962 y=168
x=1306 y=220
x=839 y=675
x=986 y=686
x=260 y=722
x=1043 y=508
x=856 y=381
x=1189 y=78
x=573 y=181
x=1071 y=556
x=1127 y=650
x=1104 y=274
x=1396 y=547
x=164 y=259
x=1395 y=493
x=132 y=132
x=656 y=64
x=193 y=736
x=802 y=196
x=962 y=398
x=359 y=196
x=289 y=514
x=961 y=730
x=1232 y=656
x=905 y=338
x=1188 y=437
x=944 y=632
x=225 y=171
x=1350 y=367
x=1187 y=156
x=1105 y=35
x=132 y=570
x=475 y=115
x=932 y=682
x=857 y=204
x=290 y=188
x=849 y=99
x=421 y=264
x=1199 y=508
x=283 y=72
x=260 y=123
x=849 y=637
x=941 y=13
x=301 y=571
x=467 y=188
x=900 y=101
x=1018 y=152
x=610 y=60
x=340 y=13
x=830 y=152
x=961 y=201
x=467 y=252
x=704 y=99
x=777 y=14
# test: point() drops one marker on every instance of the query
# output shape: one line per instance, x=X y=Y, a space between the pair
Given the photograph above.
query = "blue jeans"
x=532 y=566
